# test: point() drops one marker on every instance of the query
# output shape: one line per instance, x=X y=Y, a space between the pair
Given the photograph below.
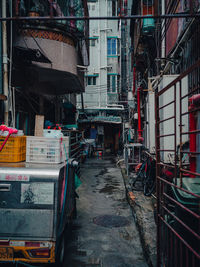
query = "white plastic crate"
x=52 y=133
x=45 y=150
x=5 y=133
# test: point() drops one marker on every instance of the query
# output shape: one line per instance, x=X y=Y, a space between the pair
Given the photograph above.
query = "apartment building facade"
x=104 y=72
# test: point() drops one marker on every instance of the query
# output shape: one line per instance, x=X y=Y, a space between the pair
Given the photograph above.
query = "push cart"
x=37 y=202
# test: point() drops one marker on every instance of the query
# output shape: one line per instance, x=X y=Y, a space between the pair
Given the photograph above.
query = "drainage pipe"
x=194 y=101
x=140 y=138
x=17 y=6
x=5 y=62
x=1 y=77
x=134 y=79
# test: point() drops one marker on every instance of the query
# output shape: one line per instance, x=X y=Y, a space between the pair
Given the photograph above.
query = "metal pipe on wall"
x=134 y=80
x=10 y=100
x=140 y=138
x=17 y=7
x=163 y=30
x=192 y=127
x=1 y=77
x=5 y=61
x=194 y=101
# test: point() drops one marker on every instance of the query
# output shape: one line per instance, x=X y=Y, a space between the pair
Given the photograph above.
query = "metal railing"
x=177 y=109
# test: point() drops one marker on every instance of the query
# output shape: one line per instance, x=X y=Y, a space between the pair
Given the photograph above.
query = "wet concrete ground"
x=104 y=233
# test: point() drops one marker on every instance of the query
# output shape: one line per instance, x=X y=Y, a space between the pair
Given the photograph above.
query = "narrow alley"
x=100 y=133
x=105 y=233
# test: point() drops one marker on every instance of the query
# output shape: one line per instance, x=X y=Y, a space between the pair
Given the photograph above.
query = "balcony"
x=47 y=52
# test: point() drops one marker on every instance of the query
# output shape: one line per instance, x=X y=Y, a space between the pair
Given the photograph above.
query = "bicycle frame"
x=146 y=175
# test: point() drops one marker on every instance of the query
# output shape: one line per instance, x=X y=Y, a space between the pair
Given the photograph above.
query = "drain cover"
x=111 y=221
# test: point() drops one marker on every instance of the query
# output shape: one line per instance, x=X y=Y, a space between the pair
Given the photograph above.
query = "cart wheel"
x=61 y=253
x=74 y=214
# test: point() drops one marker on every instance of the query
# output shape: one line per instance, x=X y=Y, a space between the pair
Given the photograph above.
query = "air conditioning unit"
x=167 y=127
x=150 y=127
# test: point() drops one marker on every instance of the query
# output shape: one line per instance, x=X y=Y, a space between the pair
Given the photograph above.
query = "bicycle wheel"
x=149 y=182
x=149 y=187
x=137 y=184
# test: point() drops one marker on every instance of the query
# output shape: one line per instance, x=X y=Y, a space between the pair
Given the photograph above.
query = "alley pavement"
x=104 y=233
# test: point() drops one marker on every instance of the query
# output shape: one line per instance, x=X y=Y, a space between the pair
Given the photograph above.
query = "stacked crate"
x=47 y=149
x=14 y=149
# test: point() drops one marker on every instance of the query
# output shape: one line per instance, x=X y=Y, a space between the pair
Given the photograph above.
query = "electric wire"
x=87 y=18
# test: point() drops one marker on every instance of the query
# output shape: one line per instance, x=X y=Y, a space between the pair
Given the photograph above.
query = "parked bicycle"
x=145 y=179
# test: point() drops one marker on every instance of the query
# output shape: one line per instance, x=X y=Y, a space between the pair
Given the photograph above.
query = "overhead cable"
x=47 y=18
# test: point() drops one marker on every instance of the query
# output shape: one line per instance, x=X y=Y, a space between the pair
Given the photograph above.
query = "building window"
x=118 y=46
x=91 y=80
x=112 y=46
x=114 y=8
x=118 y=82
x=112 y=83
x=92 y=41
x=108 y=84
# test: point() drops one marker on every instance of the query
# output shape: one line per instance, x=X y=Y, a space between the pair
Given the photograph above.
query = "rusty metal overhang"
x=45 y=81
x=21 y=53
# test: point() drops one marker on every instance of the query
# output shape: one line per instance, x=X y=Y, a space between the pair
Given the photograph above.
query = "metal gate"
x=177 y=109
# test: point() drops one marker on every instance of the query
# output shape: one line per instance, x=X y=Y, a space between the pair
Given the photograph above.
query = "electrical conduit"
x=1 y=88
x=194 y=101
x=134 y=78
x=5 y=61
x=140 y=138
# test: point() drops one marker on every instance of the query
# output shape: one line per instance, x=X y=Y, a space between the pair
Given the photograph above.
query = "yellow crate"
x=14 y=149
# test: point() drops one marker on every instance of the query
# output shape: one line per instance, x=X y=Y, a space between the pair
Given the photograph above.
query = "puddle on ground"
x=104 y=171
x=78 y=263
x=111 y=221
x=109 y=177
x=108 y=189
x=85 y=258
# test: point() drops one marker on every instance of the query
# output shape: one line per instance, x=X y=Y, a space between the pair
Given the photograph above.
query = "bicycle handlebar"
x=148 y=154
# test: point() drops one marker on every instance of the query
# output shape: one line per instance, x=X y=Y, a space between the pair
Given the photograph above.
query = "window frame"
x=112 y=46
x=93 y=41
x=112 y=83
x=91 y=80
x=114 y=8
